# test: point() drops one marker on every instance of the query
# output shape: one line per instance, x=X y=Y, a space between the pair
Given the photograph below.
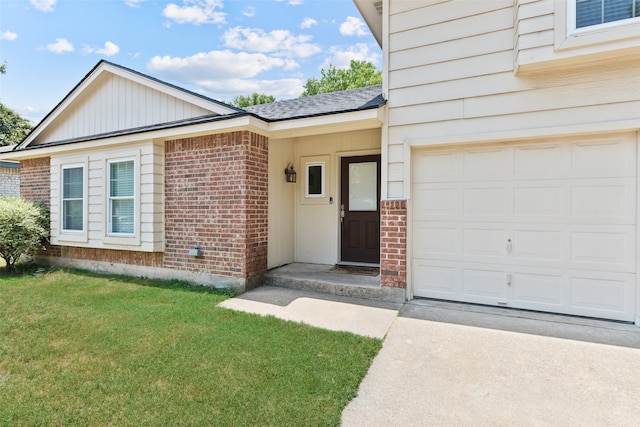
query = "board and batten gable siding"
x=115 y=103
x=451 y=79
x=149 y=236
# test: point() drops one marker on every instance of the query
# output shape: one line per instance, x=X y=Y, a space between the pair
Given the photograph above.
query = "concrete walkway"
x=437 y=372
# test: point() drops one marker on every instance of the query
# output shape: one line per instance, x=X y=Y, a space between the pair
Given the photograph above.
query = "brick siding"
x=35 y=180
x=393 y=243
x=216 y=197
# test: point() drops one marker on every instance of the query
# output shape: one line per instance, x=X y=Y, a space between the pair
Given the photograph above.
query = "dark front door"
x=360 y=209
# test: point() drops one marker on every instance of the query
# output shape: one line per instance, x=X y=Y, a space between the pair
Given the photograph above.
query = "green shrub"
x=23 y=226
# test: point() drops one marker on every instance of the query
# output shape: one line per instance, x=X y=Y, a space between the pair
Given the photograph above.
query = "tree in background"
x=359 y=74
x=13 y=127
x=253 y=99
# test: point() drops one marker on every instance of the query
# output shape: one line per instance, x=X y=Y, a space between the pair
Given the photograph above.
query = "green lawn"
x=81 y=349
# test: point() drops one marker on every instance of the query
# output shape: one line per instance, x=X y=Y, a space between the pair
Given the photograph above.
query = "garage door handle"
x=509 y=246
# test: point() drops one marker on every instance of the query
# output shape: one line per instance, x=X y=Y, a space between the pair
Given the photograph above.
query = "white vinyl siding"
x=122 y=197
x=144 y=231
x=115 y=103
x=73 y=198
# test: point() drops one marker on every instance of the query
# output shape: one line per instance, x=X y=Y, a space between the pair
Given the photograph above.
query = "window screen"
x=121 y=197
x=73 y=199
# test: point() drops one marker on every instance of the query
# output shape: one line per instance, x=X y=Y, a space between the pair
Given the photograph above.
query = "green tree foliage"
x=13 y=127
x=359 y=74
x=23 y=226
x=253 y=99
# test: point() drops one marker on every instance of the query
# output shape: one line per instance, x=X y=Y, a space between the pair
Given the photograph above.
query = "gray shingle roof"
x=328 y=103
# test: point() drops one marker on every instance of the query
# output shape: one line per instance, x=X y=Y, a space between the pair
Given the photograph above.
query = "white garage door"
x=547 y=226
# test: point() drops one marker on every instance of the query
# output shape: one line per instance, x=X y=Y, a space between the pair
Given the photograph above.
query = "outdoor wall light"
x=290 y=173
x=196 y=251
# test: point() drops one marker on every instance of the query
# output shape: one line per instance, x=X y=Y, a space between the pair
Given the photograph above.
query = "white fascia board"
x=223 y=126
x=356 y=120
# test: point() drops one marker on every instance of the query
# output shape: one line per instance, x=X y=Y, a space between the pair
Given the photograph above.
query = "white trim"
x=571 y=22
x=111 y=238
x=323 y=181
x=73 y=235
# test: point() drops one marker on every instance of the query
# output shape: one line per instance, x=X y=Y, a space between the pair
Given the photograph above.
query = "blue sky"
x=219 y=48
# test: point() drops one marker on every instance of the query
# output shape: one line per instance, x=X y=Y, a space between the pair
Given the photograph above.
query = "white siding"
x=113 y=103
x=281 y=205
x=451 y=78
x=149 y=236
x=317 y=224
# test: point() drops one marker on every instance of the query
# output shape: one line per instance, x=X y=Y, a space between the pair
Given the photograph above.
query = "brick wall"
x=393 y=243
x=216 y=197
x=9 y=182
x=35 y=180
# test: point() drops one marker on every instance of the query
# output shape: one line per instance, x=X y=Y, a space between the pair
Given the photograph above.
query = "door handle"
x=509 y=246
x=341 y=213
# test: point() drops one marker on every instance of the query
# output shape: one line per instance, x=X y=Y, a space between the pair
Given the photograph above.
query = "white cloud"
x=249 y=11
x=214 y=65
x=44 y=5
x=353 y=27
x=133 y=3
x=8 y=35
x=295 y=2
x=227 y=73
x=308 y=23
x=109 y=49
x=278 y=42
x=60 y=46
x=342 y=58
x=196 y=12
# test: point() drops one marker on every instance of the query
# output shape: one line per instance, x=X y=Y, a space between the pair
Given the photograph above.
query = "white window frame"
x=571 y=21
x=69 y=234
x=109 y=199
x=128 y=239
x=323 y=181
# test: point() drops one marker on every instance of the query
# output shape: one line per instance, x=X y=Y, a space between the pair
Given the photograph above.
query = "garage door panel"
x=484 y=242
x=538 y=291
x=545 y=226
x=611 y=296
x=547 y=201
x=436 y=281
x=485 y=285
x=487 y=201
x=608 y=249
x=535 y=160
x=611 y=200
x=540 y=245
x=430 y=240
x=603 y=157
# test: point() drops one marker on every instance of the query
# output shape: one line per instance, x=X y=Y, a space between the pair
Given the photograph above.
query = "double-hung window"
x=73 y=194
x=589 y=13
x=122 y=194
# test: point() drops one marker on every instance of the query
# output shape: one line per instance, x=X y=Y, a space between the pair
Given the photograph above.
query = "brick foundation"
x=393 y=243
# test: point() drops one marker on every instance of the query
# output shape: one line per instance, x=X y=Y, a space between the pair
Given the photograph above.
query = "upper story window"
x=121 y=197
x=590 y=13
x=73 y=195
